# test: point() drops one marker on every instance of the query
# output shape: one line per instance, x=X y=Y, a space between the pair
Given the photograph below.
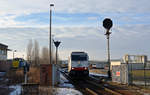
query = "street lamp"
x=50 y=50
x=107 y=24
x=14 y=53
x=57 y=43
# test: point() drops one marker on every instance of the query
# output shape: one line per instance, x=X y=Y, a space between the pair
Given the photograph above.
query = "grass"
x=136 y=73
x=98 y=71
x=17 y=76
x=34 y=75
x=140 y=73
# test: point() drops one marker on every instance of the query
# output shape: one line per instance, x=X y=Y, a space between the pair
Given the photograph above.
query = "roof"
x=2 y=46
x=78 y=52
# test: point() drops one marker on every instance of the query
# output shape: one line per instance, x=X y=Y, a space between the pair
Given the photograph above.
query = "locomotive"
x=78 y=65
x=17 y=63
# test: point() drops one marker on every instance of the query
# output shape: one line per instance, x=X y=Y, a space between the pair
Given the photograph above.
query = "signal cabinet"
x=49 y=74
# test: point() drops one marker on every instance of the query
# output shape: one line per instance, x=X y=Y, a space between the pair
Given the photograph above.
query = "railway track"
x=113 y=89
x=91 y=86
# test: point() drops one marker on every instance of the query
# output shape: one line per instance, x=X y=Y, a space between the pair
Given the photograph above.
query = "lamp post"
x=50 y=35
x=107 y=24
x=23 y=56
x=14 y=53
x=57 y=43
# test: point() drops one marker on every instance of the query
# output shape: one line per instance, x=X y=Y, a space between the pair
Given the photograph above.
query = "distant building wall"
x=135 y=58
x=3 y=52
x=114 y=63
x=133 y=66
x=98 y=64
x=5 y=65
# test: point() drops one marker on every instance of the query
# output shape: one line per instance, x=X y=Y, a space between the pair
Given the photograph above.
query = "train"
x=18 y=63
x=78 y=65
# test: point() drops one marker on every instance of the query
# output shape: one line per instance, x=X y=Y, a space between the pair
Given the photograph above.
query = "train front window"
x=79 y=57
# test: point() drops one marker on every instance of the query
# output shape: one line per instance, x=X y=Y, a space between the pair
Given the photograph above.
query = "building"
x=98 y=64
x=134 y=61
x=64 y=63
x=115 y=62
x=4 y=64
x=3 y=52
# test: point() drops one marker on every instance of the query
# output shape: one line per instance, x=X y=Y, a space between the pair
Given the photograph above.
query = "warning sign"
x=118 y=73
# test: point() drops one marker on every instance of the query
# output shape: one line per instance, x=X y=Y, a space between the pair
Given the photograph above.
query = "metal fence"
x=139 y=76
x=120 y=74
x=131 y=73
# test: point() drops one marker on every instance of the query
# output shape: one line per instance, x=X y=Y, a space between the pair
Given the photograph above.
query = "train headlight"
x=85 y=68
x=72 y=68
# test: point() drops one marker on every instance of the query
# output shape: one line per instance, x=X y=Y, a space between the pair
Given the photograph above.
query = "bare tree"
x=29 y=50
x=45 y=55
x=33 y=52
x=36 y=52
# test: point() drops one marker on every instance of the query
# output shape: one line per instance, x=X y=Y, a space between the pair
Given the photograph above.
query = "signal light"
x=72 y=68
x=85 y=68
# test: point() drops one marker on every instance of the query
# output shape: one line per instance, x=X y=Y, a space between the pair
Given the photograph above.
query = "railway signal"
x=107 y=24
x=57 y=43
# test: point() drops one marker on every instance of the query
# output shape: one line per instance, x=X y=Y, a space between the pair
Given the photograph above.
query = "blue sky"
x=87 y=19
x=78 y=24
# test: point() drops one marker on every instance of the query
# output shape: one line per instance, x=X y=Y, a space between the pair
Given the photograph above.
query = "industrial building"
x=4 y=64
x=134 y=61
x=98 y=64
x=3 y=52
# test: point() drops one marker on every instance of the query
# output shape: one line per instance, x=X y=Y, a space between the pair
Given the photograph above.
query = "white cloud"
x=23 y=6
x=10 y=10
x=16 y=54
x=100 y=6
x=92 y=18
x=124 y=39
x=129 y=38
x=73 y=6
x=76 y=31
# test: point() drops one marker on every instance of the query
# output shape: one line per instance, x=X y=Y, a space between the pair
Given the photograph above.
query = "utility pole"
x=145 y=73
x=50 y=35
x=14 y=54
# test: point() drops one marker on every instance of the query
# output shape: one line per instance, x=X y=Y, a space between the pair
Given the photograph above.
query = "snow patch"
x=64 y=82
x=99 y=75
x=17 y=90
x=66 y=91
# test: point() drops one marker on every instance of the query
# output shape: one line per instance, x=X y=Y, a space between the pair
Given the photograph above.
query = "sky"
x=78 y=25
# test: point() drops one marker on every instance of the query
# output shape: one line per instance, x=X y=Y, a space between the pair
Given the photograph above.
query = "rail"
x=91 y=86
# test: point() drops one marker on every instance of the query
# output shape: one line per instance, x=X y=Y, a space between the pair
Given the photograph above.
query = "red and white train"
x=78 y=64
